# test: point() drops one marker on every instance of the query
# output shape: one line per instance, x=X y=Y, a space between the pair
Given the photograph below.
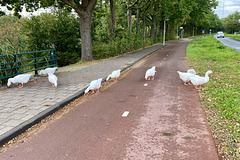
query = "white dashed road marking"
x=125 y=114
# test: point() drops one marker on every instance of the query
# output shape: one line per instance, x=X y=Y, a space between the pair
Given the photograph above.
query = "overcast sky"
x=24 y=13
x=224 y=8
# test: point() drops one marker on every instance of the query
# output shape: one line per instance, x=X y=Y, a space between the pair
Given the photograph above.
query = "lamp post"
x=164 y=30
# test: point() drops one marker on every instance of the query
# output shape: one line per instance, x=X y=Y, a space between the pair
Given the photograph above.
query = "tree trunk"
x=86 y=40
x=129 y=13
x=144 y=34
x=138 y=20
x=153 y=27
x=112 y=27
x=84 y=11
x=157 y=30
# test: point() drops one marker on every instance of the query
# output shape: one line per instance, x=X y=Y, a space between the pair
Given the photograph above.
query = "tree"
x=215 y=23
x=129 y=13
x=112 y=26
x=83 y=8
x=231 y=22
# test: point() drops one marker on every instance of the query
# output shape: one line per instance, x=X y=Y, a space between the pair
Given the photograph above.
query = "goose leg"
x=153 y=78
x=149 y=78
x=189 y=83
x=196 y=87
x=20 y=85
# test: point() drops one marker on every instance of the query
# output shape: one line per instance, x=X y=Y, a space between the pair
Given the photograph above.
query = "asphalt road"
x=232 y=43
x=165 y=119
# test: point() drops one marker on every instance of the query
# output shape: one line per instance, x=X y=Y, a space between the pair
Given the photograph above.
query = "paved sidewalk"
x=20 y=108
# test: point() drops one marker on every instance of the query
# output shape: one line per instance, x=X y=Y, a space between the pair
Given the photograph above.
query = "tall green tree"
x=215 y=23
x=83 y=8
x=231 y=22
x=112 y=13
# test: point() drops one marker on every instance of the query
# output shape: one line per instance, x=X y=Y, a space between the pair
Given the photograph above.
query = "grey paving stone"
x=5 y=115
x=36 y=107
x=27 y=117
x=6 y=109
x=5 y=129
x=32 y=112
x=12 y=104
x=17 y=116
x=12 y=123
x=3 y=120
x=1 y=127
x=21 y=110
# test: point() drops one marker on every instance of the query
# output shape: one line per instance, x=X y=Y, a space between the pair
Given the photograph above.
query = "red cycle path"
x=165 y=119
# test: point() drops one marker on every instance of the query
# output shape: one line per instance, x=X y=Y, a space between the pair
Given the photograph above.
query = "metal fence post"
x=35 y=58
x=55 y=56
x=51 y=58
x=16 y=64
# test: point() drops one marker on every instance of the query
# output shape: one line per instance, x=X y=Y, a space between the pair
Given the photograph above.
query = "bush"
x=117 y=47
x=66 y=58
x=59 y=30
x=12 y=39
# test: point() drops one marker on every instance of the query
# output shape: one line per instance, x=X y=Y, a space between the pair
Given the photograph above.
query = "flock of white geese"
x=188 y=78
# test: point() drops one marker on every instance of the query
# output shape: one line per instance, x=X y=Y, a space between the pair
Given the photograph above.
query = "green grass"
x=168 y=134
x=233 y=36
x=221 y=95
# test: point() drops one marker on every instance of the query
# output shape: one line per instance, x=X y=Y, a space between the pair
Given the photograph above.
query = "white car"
x=220 y=34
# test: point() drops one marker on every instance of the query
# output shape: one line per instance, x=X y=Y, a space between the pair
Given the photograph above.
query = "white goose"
x=186 y=76
x=197 y=80
x=150 y=73
x=114 y=75
x=47 y=70
x=21 y=78
x=94 y=85
x=52 y=79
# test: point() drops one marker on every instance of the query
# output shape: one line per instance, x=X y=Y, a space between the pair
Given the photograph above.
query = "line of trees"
x=111 y=21
x=232 y=23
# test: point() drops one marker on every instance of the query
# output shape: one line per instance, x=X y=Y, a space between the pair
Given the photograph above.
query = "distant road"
x=232 y=43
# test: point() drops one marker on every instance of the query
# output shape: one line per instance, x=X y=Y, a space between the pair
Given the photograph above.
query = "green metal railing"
x=14 y=64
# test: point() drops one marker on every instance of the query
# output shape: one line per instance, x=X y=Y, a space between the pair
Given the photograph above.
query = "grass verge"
x=221 y=95
x=233 y=36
